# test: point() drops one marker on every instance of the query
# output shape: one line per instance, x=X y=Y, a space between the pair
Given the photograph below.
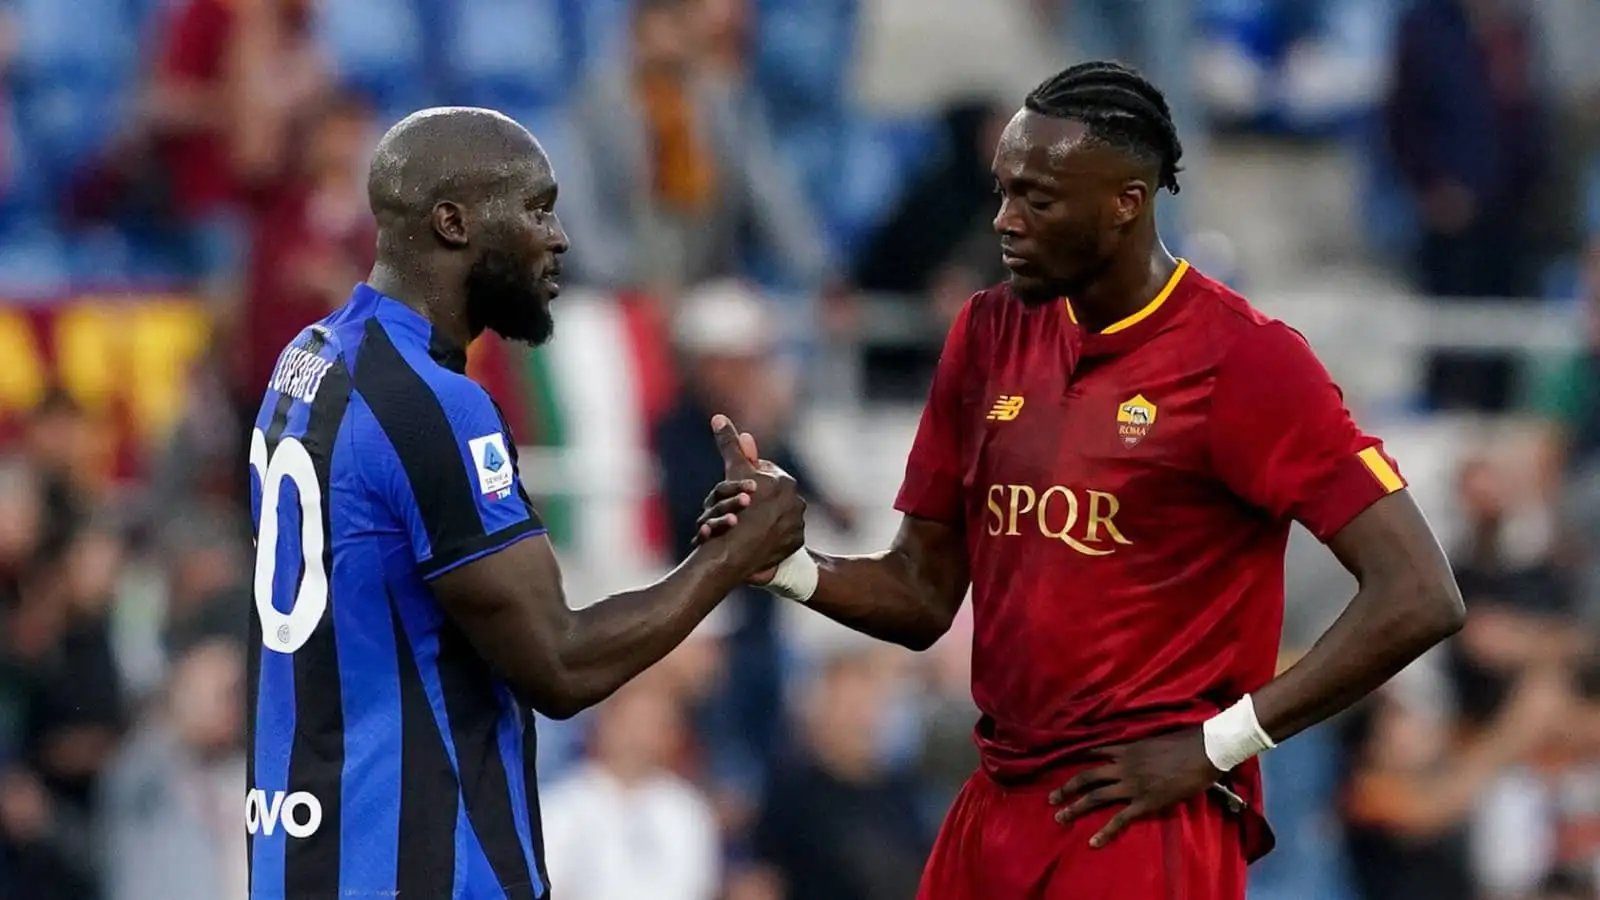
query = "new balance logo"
x=1006 y=408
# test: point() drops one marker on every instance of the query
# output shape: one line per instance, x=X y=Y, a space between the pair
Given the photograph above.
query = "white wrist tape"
x=1233 y=735
x=795 y=578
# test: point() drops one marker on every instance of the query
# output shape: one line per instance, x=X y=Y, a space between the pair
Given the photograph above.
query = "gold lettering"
x=1092 y=532
x=1059 y=534
x=22 y=377
x=166 y=338
x=1017 y=492
x=1007 y=504
x=89 y=340
x=995 y=493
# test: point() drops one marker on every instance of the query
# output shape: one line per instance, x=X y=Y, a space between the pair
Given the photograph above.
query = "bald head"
x=456 y=154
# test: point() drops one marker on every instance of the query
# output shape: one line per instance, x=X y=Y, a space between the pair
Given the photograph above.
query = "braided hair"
x=1122 y=109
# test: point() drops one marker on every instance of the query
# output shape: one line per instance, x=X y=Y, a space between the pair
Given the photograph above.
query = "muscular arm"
x=1407 y=602
x=512 y=606
x=907 y=594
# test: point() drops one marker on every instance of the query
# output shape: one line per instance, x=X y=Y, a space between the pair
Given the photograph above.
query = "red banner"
x=124 y=358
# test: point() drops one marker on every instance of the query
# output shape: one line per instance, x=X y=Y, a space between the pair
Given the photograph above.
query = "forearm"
x=609 y=642
x=882 y=595
x=1387 y=626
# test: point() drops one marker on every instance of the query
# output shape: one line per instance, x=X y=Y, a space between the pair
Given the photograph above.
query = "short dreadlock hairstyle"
x=1120 y=106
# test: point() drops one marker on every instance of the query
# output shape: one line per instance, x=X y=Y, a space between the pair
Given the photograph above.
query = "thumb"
x=730 y=446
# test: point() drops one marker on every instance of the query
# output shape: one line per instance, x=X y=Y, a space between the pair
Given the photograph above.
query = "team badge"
x=1135 y=418
x=493 y=464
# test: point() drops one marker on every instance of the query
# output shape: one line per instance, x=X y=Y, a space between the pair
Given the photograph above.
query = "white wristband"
x=795 y=578
x=1233 y=735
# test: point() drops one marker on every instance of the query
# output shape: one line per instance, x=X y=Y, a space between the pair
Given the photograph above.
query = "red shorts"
x=1004 y=844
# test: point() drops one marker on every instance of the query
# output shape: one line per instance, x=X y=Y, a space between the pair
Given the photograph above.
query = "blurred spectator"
x=1411 y=792
x=58 y=642
x=1469 y=130
x=207 y=579
x=228 y=74
x=63 y=445
x=836 y=824
x=170 y=804
x=681 y=165
x=724 y=333
x=949 y=754
x=312 y=238
x=939 y=239
x=622 y=825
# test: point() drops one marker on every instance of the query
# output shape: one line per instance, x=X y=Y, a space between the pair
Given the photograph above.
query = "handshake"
x=755 y=520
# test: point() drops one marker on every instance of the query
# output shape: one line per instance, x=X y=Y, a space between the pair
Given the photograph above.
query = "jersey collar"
x=1127 y=333
x=412 y=324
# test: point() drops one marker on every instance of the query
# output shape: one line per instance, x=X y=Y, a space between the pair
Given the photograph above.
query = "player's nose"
x=1007 y=223
x=558 y=237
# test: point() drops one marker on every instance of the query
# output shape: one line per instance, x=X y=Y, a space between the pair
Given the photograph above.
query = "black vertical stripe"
x=316 y=759
x=279 y=421
x=429 y=794
x=414 y=421
x=472 y=700
x=530 y=778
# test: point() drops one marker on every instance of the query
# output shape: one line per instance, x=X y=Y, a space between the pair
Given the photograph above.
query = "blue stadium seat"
x=879 y=157
x=91 y=40
x=510 y=54
x=33 y=262
x=603 y=29
x=379 y=50
x=803 y=52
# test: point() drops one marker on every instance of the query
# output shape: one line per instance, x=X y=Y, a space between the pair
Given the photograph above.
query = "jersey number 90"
x=287 y=632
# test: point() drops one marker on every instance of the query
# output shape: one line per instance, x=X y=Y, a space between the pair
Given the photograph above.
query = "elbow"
x=927 y=631
x=1434 y=611
x=562 y=698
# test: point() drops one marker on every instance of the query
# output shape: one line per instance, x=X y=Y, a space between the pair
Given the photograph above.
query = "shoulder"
x=1241 y=336
x=397 y=380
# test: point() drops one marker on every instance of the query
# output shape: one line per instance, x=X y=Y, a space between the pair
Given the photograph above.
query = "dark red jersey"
x=1126 y=497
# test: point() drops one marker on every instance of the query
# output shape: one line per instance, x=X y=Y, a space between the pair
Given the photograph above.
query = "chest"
x=1097 y=449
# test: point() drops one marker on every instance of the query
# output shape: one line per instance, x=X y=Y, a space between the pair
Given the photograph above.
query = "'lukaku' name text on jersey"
x=387 y=759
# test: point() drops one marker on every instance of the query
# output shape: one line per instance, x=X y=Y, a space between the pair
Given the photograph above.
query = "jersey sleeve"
x=453 y=479
x=1283 y=440
x=932 y=485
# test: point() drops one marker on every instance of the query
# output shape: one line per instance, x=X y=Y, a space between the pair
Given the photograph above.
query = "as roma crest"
x=1135 y=418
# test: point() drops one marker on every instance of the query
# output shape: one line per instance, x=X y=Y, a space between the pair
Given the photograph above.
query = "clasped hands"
x=756 y=510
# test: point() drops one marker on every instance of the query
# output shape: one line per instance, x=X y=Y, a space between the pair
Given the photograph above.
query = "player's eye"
x=1039 y=203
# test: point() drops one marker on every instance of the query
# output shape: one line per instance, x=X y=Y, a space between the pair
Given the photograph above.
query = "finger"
x=719 y=519
x=717 y=527
x=1084 y=781
x=727 y=489
x=1104 y=796
x=728 y=444
x=747 y=444
x=731 y=505
x=1115 y=826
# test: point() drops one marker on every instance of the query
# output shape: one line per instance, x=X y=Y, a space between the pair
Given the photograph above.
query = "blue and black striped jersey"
x=387 y=758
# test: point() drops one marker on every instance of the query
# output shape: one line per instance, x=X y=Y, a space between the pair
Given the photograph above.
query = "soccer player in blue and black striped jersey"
x=408 y=608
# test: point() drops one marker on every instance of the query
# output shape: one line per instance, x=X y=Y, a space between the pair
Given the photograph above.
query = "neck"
x=419 y=288
x=1124 y=288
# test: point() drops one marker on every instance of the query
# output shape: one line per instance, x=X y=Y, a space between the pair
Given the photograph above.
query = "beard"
x=504 y=299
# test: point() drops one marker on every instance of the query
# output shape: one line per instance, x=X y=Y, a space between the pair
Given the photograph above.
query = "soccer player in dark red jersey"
x=1113 y=452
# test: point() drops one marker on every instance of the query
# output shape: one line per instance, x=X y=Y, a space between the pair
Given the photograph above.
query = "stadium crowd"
x=182 y=189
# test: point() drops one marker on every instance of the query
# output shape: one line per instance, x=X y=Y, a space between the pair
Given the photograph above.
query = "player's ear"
x=450 y=223
x=1130 y=201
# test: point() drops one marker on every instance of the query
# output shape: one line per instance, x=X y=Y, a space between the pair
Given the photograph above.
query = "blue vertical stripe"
x=511 y=725
x=369 y=677
x=275 y=722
